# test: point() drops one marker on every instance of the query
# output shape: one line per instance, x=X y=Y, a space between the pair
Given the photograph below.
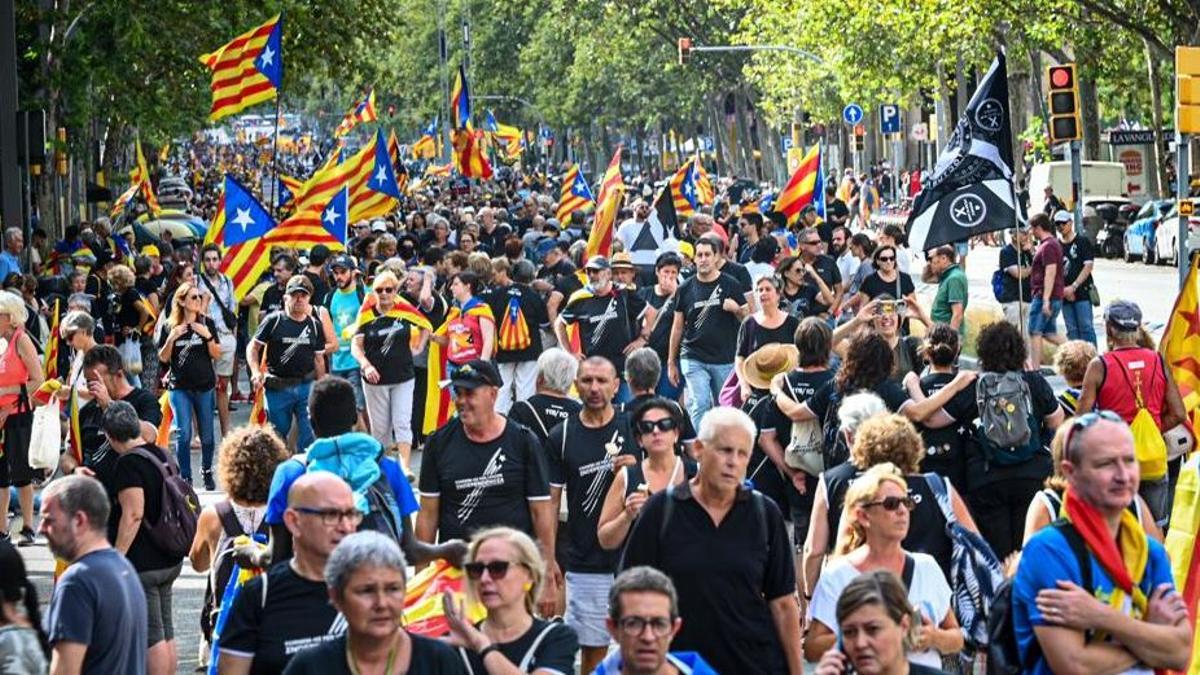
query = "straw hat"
x=767 y=362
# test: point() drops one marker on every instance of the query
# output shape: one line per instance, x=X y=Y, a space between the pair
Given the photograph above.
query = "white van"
x=1101 y=181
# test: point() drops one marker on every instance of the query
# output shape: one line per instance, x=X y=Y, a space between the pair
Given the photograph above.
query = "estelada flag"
x=424 y=613
x=246 y=71
x=1180 y=345
x=576 y=195
x=612 y=193
x=439 y=404
x=363 y=111
x=50 y=364
x=168 y=416
x=685 y=190
x=513 y=335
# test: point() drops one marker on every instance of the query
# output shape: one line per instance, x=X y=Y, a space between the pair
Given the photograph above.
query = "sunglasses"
x=386 y=289
x=893 y=503
x=1084 y=421
x=496 y=568
x=664 y=425
x=195 y=296
x=886 y=259
x=815 y=242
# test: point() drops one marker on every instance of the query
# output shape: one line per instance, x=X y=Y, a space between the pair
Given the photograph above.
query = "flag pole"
x=275 y=207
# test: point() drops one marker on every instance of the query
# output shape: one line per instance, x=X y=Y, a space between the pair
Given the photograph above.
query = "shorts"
x=587 y=607
x=1039 y=324
x=14 y=465
x=354 y=375
x=224 y=365
x=156 y=585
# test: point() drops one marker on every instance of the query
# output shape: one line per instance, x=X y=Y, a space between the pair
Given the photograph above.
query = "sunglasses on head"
x=893 y=503
x=1083 y=422
x=496 y=568
x=664 y=425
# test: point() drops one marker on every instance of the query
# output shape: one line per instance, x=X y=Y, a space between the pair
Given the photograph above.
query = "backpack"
x=383 y=515
x=834 y=450
x=1006 y=429
x=998 y=285
x=176 y=526
x=1003 y=652
x=222 y=567
x=1147 y=439
x=975 y=571
x=805 y=450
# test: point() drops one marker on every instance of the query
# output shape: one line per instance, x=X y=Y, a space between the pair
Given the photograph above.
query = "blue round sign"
x=852 y=114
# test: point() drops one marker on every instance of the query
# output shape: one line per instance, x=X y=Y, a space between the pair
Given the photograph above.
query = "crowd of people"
x=734 y=447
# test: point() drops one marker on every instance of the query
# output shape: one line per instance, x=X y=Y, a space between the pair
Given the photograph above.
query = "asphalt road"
x=1153 y=288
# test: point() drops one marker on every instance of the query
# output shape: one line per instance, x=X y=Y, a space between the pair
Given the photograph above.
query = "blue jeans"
x=1040 y=324
x=665 y=388
x=1077 y=314
x=187 y=405
x=282 y=404
x=703 y=382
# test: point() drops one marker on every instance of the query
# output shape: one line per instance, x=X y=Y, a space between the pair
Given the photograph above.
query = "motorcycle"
x=1110 y=240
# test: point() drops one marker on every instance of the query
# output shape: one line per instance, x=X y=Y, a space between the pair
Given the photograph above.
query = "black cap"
x=318 y=254
x=343 y=261
x=299 y=283
x=476 y=373
x=598 y=262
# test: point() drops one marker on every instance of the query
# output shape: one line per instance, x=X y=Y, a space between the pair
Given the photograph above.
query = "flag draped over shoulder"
x=469 y=159
x=439 y=404
x=401 y=311
x=612 y=192
x=802 y=188
x=239 y=228
x=246 y=71
x=970 y=190
x=363 y=111
x=576 y=195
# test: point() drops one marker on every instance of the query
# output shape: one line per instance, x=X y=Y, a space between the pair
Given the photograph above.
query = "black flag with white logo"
x=970 y=189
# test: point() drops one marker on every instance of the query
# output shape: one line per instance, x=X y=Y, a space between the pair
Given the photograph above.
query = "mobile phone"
x=841 y=647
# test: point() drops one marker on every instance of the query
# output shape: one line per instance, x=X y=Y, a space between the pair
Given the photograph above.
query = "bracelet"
x=483 y=653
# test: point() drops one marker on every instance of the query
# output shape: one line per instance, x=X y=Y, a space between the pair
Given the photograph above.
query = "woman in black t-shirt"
x=386 y=338
x=804 y=291
x=504 y=574
x=190 y=347
x=883 y=316
x=366 y=566
x=769 y=325
x=945 y=447
x=131 y=321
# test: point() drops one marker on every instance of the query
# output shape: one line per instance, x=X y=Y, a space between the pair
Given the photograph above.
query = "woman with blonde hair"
x=20 y=375
x=504 y=574
x=133 y=320
x=875 y=521
x=190 y=348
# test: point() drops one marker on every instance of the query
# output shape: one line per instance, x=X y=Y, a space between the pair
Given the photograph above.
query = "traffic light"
x=1064 y=103
x=685 y=50
x=1187 y=90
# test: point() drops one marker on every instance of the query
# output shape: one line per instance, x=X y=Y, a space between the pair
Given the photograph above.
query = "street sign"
x=709 y=144
x=1185 y=207
x=889 y=118
x=852 y=114
x=787 y=143
x=920 y=132
x=1145 y=137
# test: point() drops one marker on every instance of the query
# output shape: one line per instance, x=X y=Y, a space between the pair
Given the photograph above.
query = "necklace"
x=391 y=659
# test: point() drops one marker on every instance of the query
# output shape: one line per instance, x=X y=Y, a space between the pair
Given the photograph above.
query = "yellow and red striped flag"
x=246 y=71
x=460 y=101
x=140 y=176
x=439 y=405
x=397 y=162
x=1180 y=345
x=612 y=192
x=119 y=205
x=168 y=416
x=50 y=365
x=576 y=195
x=258 y=410
x=801 y=189
x=74 y=429
x=363 y=111
x=239 y=228
x=513 y=334
x=685 y=192
x=468 y=154
x=704 y=187
x=438 y=170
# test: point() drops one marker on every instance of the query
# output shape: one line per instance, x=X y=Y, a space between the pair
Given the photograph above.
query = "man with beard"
x=584 y=452
x=610 y=321
x=643 y=240
x=344 y=303
x=839 y=250
x=826 y=267
x=283 y=266
x=222 y=309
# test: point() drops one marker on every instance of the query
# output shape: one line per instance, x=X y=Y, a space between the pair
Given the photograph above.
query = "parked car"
x=1139 y=236
x=1166 y=236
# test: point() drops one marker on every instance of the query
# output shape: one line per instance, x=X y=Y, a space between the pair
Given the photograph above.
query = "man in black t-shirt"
x=482 y=469
x=282 y=269
x=552 y=402
x=826 y=267
x=1016 y=275
x=294 y=342
x=660 y=314
x=287 y=609
x=609 y=320
x=1079 y=256
x=520 y=313
x=585 y=451
x=106 y=382
x=708 y=313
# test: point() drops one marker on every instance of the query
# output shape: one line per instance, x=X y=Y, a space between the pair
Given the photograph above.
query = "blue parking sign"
x=889 y=118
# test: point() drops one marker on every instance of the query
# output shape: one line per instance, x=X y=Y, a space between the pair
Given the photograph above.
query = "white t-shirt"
x=929 y=595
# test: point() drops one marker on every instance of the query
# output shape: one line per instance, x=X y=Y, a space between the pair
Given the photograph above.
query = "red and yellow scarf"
x=1123 y=560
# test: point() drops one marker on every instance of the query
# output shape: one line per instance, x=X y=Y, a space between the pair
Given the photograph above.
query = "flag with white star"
x=246 y=71
x=334 y=215
x=239 y=227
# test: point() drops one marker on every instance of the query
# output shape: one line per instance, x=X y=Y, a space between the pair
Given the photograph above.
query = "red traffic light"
x=1062 y=77
x=685 y=47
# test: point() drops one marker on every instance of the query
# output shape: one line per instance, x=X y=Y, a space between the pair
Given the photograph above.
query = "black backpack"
x=1003 y=653
x=222 y=567
x=384 y=514
x=176 y=525
x=835 y=451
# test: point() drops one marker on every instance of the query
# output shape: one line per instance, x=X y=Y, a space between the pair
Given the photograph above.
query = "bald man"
x=264 y=633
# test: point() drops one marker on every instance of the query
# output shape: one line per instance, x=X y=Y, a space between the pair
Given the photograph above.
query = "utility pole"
x=443 y=58
x=10 y=174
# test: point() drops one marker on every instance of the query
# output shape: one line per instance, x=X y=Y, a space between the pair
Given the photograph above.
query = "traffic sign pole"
x=1076 y=186
x=1182 y=175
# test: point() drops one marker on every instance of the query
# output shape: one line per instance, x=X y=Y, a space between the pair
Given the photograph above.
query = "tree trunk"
x=745 y=143
x=719 y=144
x=1156 y=113
x=1018 y=82
x=1089 y=104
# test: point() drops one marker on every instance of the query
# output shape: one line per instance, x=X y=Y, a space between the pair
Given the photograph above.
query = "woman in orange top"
x=20 y=374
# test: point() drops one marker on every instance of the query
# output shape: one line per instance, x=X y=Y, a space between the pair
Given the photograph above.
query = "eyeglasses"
x=886 y=259
x=632 y=626
x=664 y=425
x=331 y=517
x=893 y=503
x=1084 y=421
x=386 y=289
x=497 y=569
x=814 y=242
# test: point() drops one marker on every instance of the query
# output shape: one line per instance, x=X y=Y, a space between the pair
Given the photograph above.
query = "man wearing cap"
x=1046 y=283
x=379 y=227
x=611 y=321
x=1117 y=379
x=292 y=343
x=482 y=469
x=625 y=274
x=317 y=257
x=585 y=451
x=1080 y=256
x=222 y=309
x=344 y=303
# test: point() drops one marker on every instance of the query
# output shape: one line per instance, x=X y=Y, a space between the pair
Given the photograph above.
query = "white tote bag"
x=45 y=439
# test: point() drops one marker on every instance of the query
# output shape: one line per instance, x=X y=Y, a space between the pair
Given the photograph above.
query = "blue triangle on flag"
x=285 y=195
x=334 y=216
x=269 y=61
x=245 y=218
x=383 y=175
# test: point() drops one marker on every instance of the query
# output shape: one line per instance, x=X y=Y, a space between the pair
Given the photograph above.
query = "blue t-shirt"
x=343 y=309
x=8 y=264
x=99 y=602
x=287 y=473
x=1048 y=558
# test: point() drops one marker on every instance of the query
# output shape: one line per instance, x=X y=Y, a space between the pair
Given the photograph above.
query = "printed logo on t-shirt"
x=389 y=336
x=492 y=476
x=336 y=629
x=599 y=470
x=186 y=346
x=294 y=344
x=706 y=307
x=603 y=321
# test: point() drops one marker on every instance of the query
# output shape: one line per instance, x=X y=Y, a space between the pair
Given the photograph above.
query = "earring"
x=528 y=586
